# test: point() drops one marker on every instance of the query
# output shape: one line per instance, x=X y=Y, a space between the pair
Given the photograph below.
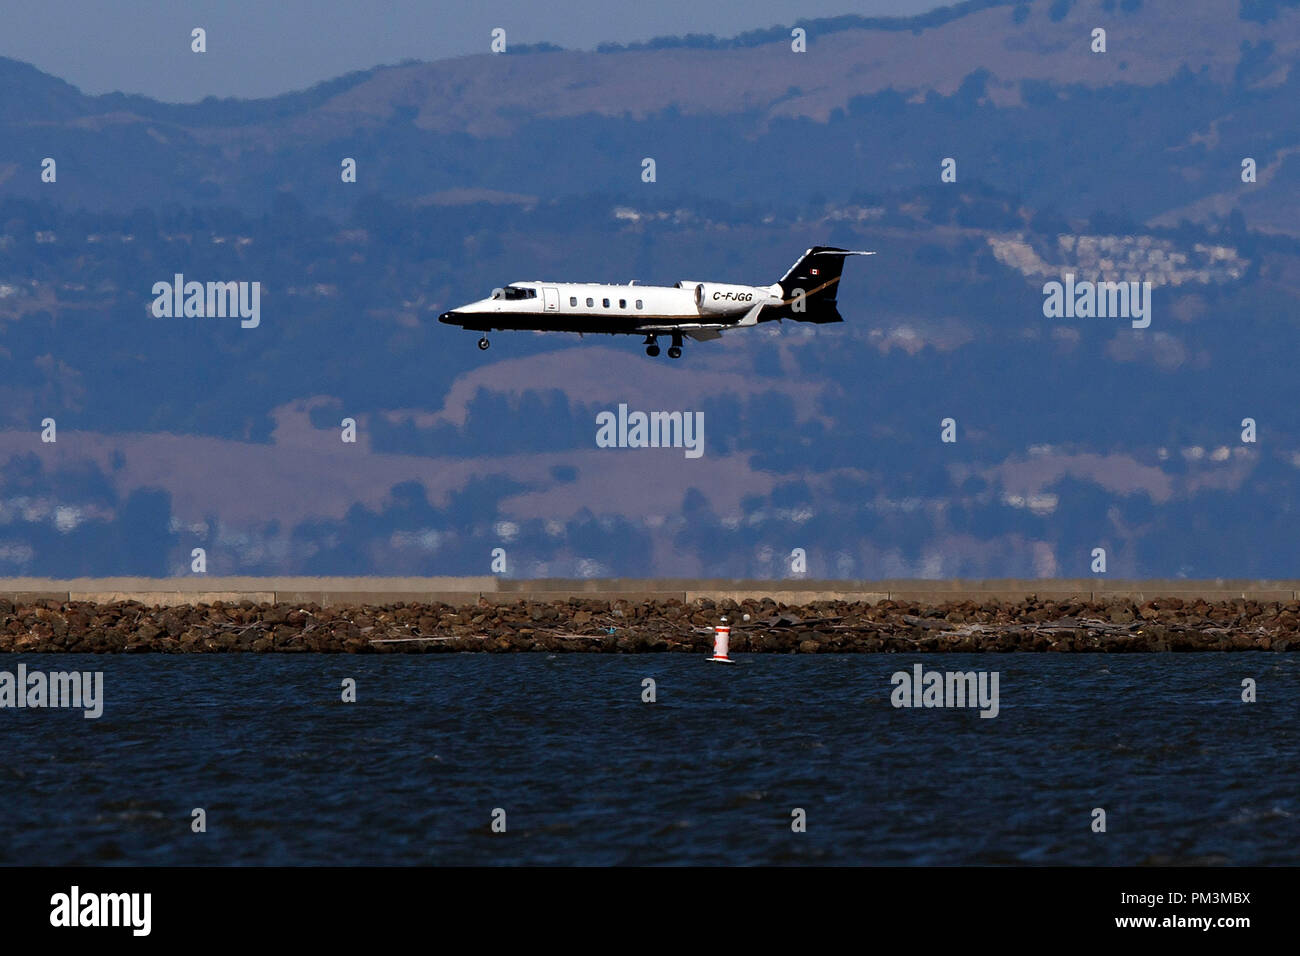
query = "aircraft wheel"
x=674 y=352
x=483 y=343
x=652 y=350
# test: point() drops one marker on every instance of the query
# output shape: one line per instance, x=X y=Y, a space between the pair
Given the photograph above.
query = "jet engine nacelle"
x=718 y=299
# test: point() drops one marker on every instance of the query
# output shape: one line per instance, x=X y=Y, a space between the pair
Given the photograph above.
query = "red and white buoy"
x=722 y=643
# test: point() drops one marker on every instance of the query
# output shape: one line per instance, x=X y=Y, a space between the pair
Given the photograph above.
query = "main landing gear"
x=484 y=344
x=674 y=351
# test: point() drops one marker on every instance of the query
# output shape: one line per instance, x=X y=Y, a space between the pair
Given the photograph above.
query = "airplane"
x=702 y=310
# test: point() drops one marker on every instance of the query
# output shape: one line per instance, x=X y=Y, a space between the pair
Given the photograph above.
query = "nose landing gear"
x=484 y=344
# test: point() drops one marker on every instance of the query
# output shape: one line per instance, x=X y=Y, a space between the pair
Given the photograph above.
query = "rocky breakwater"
x=605 y=626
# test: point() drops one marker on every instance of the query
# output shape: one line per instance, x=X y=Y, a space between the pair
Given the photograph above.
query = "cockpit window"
x=510 y=293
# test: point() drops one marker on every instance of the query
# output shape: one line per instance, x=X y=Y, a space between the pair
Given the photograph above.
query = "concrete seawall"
x=423 y=615
x=460 y=591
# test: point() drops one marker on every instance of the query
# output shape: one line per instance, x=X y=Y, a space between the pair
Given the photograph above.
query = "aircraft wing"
x=702 y=332
x=686 y=328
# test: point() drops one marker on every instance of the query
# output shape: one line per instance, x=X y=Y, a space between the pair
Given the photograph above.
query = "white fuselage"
x=700 y=310
x=584 y=306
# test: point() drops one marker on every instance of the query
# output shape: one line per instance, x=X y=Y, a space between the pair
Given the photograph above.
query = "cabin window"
x=511 y=293
x=590 y=303
x=573 y=300
x=622 y=303
x=638 y=303
x=606 y=301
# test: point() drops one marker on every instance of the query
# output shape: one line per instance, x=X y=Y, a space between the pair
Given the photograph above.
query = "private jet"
x=701 y=310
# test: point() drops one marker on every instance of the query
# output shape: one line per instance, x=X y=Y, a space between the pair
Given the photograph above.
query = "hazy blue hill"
x=26 y=93
x=1073 y=433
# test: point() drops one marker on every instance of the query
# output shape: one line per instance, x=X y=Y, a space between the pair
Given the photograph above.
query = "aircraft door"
x=550 y=299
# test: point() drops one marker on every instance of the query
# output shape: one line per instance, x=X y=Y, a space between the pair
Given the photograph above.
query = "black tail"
x=810 y=287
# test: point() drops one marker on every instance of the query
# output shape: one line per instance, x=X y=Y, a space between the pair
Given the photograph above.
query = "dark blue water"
x=588 y=774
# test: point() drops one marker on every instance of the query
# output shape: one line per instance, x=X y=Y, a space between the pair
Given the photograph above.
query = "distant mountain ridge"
x=1015 y=42
x=1181 y=90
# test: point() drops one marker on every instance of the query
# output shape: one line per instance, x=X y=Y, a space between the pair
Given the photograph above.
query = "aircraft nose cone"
x=448 y=317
